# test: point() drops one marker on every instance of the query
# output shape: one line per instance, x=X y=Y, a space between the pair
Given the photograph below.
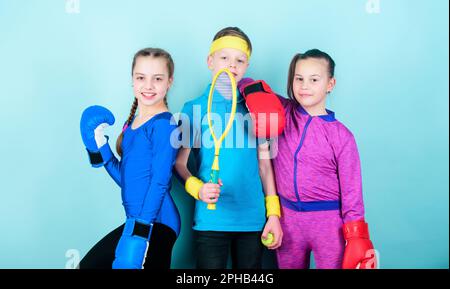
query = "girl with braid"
x=147 y=150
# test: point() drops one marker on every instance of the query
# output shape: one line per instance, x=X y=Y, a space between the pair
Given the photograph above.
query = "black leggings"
x=159 y=253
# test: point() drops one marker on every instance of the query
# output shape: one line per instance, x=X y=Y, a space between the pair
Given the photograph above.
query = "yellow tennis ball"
x=268 y=241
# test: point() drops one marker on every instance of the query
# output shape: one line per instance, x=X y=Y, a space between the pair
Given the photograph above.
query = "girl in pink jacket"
x=318 y=175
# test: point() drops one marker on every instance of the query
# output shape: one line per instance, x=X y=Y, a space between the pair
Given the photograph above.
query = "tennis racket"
x=225 y=84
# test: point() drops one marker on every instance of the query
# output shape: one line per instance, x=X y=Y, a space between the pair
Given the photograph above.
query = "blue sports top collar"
x=327 y=117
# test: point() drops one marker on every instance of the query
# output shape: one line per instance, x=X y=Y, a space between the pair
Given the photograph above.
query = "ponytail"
x=128 y=123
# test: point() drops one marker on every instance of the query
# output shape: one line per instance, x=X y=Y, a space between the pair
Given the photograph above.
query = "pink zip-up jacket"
x=317 y=165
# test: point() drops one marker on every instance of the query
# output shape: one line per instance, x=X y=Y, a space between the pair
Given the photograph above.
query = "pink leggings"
x=303 y=232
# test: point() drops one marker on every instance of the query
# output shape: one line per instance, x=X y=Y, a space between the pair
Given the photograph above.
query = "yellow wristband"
x=273 y=206
x=193 y=186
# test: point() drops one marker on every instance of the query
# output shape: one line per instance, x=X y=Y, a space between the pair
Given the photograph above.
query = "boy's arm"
x=182 y=171
x=191 y=137
x=191 y=184
x=266 y=170
x=186 y=124
x=208 y=193
x=273 y=213
x=268 y=180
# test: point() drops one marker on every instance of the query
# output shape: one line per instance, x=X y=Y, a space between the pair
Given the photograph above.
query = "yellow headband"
x=230 y=42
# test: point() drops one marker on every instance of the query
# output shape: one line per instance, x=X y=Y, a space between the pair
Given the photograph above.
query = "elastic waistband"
x=310 y=206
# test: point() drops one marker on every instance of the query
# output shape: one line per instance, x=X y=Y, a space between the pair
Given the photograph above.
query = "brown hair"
x=155 y=53
x=234 y=31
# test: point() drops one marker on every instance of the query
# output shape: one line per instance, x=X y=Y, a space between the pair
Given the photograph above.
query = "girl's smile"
x=148 y=95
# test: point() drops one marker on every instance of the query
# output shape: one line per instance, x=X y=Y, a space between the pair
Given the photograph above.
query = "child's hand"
x=273 y=226
x=209 y=192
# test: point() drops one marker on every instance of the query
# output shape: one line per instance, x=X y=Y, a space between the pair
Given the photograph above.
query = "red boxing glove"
x=359 y=249
x=265 y=108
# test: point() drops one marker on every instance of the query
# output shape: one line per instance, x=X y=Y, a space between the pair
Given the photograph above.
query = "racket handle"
x=214 y=176
x=214 y=180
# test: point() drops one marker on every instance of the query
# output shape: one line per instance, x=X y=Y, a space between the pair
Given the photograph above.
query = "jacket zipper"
x=296 y=156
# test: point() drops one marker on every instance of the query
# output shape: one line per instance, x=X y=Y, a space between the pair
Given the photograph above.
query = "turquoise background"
x=392 y=92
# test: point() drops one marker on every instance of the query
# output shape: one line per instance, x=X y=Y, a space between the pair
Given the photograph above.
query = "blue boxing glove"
x=133 y=245
x=93 y=121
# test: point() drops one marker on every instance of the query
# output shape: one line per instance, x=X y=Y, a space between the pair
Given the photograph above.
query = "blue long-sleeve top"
x=145 y=170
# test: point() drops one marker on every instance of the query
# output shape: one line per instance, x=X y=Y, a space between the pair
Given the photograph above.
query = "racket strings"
x=223 y=86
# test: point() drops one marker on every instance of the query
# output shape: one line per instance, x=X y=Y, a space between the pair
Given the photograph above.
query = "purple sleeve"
x=243 y=83
x=350 y=181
